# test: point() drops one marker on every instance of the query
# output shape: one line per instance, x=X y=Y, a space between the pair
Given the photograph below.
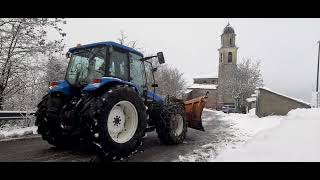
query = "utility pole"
x=317 y=87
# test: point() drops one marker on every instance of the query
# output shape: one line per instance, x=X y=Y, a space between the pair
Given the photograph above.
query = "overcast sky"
x=287 y=48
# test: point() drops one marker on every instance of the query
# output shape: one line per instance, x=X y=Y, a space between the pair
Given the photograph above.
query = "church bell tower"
x=227 y=62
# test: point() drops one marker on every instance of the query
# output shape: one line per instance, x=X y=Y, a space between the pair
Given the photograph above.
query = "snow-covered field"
x=17 y=132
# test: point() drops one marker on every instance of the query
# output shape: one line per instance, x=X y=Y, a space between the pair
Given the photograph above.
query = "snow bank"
x=295 y=139
x=18 y=132
x=233 y=131
x=250 y=123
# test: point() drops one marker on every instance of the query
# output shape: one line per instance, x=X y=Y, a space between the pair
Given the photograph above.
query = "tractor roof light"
x=53 y=84
x=96 y=81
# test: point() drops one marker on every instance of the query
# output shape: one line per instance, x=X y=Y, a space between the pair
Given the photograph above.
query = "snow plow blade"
x=194 y=108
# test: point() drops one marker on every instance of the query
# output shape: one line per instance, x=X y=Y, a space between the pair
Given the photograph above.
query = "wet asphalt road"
x=35 y=149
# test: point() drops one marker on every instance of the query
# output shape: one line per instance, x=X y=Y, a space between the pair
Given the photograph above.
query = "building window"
x=230 y=41
x=221 y=57
x=229 y=57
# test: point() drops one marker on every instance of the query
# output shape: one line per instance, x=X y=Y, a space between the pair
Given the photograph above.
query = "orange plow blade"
x=194 y=108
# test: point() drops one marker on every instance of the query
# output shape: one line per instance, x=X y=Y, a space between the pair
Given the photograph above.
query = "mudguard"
x=63 y=87
x=155 y=97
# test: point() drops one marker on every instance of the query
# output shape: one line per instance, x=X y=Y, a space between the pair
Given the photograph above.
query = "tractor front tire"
x=118 y=122
x=172 y=127
x=47 y=120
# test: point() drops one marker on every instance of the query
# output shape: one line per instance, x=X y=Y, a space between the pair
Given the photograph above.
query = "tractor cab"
x=96 y=65
x=94 y=61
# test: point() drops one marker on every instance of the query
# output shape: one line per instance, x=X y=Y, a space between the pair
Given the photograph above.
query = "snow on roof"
x=251 y=99
x=203 y=86
x=208 y=75
x=280 y=94
x=187 y=91
x=255 y=94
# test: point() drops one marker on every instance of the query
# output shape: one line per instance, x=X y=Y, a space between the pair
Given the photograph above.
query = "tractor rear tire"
x=172 y=127
x=48 y=121
x=119 y=123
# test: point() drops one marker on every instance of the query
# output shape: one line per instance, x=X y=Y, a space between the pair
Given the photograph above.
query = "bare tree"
x=170 y=80
x=23 y=49
x=123 y=40
x=246 y=77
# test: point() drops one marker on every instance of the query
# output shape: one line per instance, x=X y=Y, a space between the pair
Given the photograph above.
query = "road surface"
x=35 y=149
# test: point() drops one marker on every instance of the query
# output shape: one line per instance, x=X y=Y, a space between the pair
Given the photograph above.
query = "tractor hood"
x=106 y=81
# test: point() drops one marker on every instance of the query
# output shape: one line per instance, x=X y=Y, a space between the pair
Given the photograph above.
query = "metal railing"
x=15 y=115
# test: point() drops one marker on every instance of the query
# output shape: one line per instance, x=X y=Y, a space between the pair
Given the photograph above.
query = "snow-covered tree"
x=24 y=51
x=170 y=81
x=56 y=68
x=246 y=77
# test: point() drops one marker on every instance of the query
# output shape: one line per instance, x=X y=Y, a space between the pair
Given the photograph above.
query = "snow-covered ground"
x=17 y=132
x=237 y=130
x=295 y=139
x=245 y=137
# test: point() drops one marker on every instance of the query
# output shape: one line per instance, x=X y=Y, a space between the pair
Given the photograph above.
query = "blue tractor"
x=108 y=100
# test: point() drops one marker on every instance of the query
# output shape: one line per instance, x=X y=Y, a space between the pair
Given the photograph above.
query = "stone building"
x=201 y=86
x=215 y=84
x=269 y=102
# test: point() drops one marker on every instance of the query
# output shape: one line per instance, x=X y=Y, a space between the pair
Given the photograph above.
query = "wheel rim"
x=122 y=121
x=177 y=124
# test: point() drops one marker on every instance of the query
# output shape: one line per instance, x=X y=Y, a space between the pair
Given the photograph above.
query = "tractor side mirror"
x=160 y=58
x=68 y=54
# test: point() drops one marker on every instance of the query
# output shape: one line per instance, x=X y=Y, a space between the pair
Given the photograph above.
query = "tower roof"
x=228 y=29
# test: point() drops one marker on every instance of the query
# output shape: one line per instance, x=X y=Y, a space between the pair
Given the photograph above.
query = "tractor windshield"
x=86 y=65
